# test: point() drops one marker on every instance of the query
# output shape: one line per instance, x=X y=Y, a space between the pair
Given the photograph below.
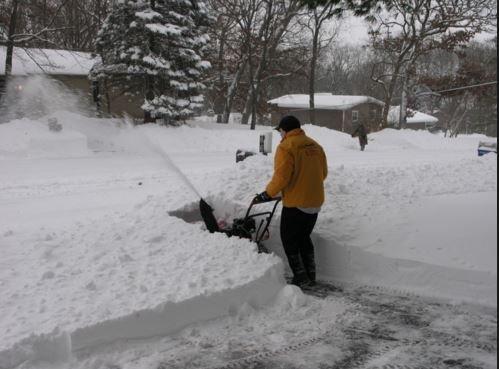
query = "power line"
x=437 y=93
x=457 y=88
x=466 y=87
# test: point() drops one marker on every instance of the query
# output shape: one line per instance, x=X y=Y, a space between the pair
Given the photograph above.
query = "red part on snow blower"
x=243 y=227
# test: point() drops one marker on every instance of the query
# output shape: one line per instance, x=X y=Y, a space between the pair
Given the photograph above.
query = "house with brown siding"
x=340 y=112
x=71 y=68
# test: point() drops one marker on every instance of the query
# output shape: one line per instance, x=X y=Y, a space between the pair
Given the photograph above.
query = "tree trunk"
x=10 y=40
x=253 y=110
x=246 y=112
x=254 y=96
x=247 y=107
x=231 y=92
x=311 y=84
x=266 y=57
x=389 y=97
x=261 y=64
x=148 y=118
x=403 y=107
x=108 y=98
x=219 y=100
x=454 y=128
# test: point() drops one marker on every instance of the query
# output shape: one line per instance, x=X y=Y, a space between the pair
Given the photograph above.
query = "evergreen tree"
x=155 y=48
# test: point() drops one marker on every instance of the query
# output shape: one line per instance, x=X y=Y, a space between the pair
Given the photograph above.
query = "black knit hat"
x=288 y=123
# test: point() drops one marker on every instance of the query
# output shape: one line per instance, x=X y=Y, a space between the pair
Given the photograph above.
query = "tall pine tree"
x=156 y=48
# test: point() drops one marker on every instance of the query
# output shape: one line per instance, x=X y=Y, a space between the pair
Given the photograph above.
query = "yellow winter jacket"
x=300 y=168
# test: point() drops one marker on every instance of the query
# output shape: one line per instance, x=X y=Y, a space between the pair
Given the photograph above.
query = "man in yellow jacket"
x=300 y=168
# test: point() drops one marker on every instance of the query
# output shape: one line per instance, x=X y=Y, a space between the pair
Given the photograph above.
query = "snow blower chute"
x=243 y=227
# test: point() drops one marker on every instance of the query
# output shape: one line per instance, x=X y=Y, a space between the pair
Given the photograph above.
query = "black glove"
x=262 y=197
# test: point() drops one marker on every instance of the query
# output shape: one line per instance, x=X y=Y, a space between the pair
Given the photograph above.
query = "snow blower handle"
x=261 y=198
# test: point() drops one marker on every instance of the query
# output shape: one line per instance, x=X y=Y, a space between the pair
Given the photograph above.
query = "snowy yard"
x=96 y=273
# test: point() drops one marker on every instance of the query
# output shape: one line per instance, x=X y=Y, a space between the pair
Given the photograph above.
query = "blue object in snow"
x=486 y=147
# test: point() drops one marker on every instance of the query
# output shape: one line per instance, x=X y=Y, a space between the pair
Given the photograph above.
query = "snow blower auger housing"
x=243 y=227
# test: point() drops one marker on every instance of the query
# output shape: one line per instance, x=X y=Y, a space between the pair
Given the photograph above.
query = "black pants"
x=362 y=142
x=296 y=228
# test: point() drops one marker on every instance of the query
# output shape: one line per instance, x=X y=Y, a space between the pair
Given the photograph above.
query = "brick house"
x=339 y=112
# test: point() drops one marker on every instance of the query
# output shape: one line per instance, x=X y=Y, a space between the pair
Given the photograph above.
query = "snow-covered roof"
x=323 y=101
x=417 y=117
x=47 y=61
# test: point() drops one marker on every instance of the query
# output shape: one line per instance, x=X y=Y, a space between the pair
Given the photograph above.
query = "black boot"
x=300 y=277
x=309 y=264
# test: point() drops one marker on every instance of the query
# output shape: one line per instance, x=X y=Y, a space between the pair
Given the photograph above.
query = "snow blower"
x=243 y=227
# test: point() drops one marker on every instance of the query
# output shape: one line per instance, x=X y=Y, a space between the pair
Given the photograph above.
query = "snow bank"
x=69 y=144
x=134 y=275
x=51 y=347
x=415 y=212
x=103 y=135
x=28 y=138
x=197 y=136
x=350 y=265
x=406 y=139
x=418 y=226
x=112 y=135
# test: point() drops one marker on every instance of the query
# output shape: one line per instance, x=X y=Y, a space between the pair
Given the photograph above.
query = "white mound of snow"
x=420 y=223
x=415 y=212
x=30 y=138
x=137 y=275
x=407 y=139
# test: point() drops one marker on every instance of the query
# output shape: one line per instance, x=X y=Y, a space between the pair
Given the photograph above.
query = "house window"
x=355 y=116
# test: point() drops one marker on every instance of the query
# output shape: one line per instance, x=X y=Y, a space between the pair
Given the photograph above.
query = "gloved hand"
x=262 y=197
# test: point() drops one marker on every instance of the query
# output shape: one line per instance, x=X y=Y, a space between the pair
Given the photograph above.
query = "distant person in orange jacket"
x=300 y=168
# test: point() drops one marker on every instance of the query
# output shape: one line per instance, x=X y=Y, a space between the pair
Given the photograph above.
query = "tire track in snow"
x=382 y=331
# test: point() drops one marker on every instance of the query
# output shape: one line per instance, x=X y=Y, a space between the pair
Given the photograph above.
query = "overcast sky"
x=354 y=31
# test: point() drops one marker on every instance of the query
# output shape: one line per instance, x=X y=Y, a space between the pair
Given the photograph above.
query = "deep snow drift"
x=91 y=254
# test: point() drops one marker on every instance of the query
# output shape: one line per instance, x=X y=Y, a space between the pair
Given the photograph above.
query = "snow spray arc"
x=205 y=209
x=37 y=96
x=160 y=152
x=172 y=165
